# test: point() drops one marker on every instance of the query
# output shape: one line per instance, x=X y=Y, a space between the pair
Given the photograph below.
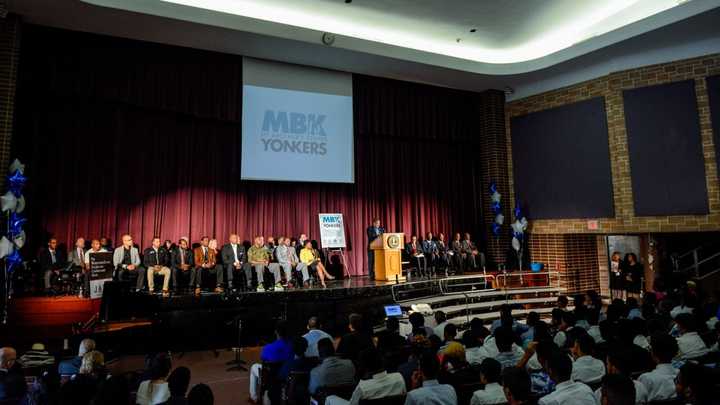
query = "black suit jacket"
x=228 y=257
x=149 y=259
x=373 y=233
x=189 y=258
x=45 y=259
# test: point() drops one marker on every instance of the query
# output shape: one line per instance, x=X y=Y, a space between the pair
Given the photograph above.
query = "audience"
x=660 y=383
x=426 y=389
x=356 y=341
x=155 y=390
x=493 y=393
x=567 y=392
x=690 y=344
x=277 y=352
x=332 y=370
x=313 y=335
x=516 y=385
x=178 y=383
x=377 y=384
x=586 y=368
x=617 y=389
x=72 y=366
x=200 y=394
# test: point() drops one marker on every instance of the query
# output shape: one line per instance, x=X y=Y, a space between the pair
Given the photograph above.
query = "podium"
x=387 y=249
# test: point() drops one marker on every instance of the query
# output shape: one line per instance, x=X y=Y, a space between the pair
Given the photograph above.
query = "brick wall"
x=9 y=47
x=552 y=240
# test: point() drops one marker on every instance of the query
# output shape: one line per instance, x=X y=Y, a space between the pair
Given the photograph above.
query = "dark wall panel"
x=713 y=89
x=561 y=162
x=667 y=167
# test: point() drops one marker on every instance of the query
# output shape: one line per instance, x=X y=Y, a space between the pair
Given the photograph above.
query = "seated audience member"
x=200 y=394
x=618 y=362
x=51 y=260
x=12 y=380
x=660 y=383
x=527 y=336
x=417 y=321
x=567 y=392
x=633 y=308
x=516 y=385
x=440 y=321
x=155 y=390
x=625 y=337
x=356 y=340
x=72 y=366
x=493 y=393
x=279 y=352
x=507 y=356
x=594 y=329
x=455 y=369
x=157 y=261
x=475 y=353
x=259 y=259
x=562 y=302
x=426 y=390
x=697 y=385
x=233 y=258
x=617 y=389
x=206 y=262
x=178 y=382
x=287 y=260
x=84 y=385
x=586 y=368
x=310 y=258
x=540 y=382
x=506 y=319
x=332 y=370
x=299 y=362
x=567 y=323
x=690 y=344
x=183 y=264
x=380 y=383
x=126 y=260
x=417 y=257
x=313 y=336
x=390 y=340
x=419 y=345
x=449 y=335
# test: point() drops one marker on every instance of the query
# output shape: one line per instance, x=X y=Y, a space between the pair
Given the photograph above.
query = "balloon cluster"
x=13 y=204
x=495 y=197
x=518 y=228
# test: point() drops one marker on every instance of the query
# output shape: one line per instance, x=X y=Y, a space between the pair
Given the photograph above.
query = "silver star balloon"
x=495 y=197
x=6 y=247
x=16 y=165
x=8 y=202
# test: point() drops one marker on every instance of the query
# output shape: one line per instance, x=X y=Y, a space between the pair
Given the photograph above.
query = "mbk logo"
x=294 y=123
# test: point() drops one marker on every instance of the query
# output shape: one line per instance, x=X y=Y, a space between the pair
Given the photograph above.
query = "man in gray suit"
x=287 y=259
x=474 y=259
x=77 y=258
x=126 y=260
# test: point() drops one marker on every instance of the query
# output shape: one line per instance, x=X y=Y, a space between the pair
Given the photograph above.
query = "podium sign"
x=101 y=270
x=332 y=231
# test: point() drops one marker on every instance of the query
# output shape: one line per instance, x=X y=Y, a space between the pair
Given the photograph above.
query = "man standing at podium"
x=373 y=232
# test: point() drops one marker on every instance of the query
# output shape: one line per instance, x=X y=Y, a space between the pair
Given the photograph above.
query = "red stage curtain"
x=123 y=136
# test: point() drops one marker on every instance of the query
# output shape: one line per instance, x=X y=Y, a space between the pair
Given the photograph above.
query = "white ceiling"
x=588 y=38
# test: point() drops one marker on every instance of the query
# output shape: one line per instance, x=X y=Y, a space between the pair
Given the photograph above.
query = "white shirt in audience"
x=569 y=393
x=642 y=341
x=381 y=385
x=475 y=355
x=439 y=330
x=151 y=394
x=588 y=369
x=641 y=394
x=660 y=383
x=493 y=351
x=313 y=336
x=432 y=393
x=561 y=338
x=594 y=332
x=533 y=363
x=691 y=346
x=680 y=309
x=492 y=394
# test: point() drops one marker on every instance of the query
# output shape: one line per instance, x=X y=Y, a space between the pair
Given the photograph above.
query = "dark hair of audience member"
x=113 y=391
x=656 y=325
x=562 y=300
x=559 y=366
x=618 y=389
x=200 y=394
x=440 y=317
x=648 y=311
x=370 y=362
x=356 y=322
x=435 y=342
x=469 y=339
x=639 y=326
x=532 y=318
x=541 y=332
x=608 y=330
x=696 y=384
x=569 y=318
x=556 y=316
x=490 y=370
x=620 y=358
x=625 y=332
x=545 y=350
x=325 y=348
x=160 y=366
x=450 y=331
x=593 y=317
x=392 y=324
x=417 y=321
x=663 y=347
x=516 y=382
x=429 y=365
x=585 y=343
x=504 y=339
x=299 y=345
x=282 y=329
x=179 y=381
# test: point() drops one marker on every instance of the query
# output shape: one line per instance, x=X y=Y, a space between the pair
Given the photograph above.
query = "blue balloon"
x=496 y=207
x=496 y=229
x=493 y=188
x=518 y=211
x=16 y=223
x=13 y=260
x=16 y=183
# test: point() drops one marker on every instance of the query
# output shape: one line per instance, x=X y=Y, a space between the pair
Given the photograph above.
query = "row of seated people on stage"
x=433 y=253
x=265 y=264
x=624 y=353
